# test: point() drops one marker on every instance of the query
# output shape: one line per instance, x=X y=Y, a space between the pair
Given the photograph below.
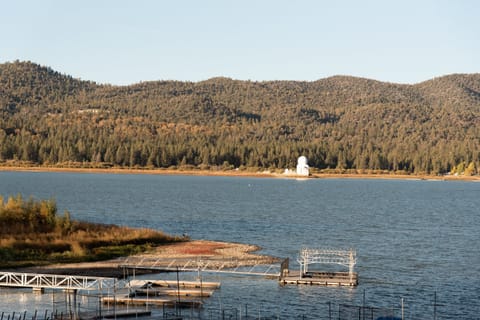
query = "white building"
x=302 y=166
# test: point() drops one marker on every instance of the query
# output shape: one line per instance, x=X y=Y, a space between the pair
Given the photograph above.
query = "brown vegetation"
x=32 y=233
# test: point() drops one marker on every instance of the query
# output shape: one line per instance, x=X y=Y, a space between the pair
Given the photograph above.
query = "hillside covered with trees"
x=341 y=122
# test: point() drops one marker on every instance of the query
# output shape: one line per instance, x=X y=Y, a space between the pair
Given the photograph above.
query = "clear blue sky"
x=124 y=42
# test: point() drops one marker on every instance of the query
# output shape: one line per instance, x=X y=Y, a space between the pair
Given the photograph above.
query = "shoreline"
x=194 y=250
x=237 y=173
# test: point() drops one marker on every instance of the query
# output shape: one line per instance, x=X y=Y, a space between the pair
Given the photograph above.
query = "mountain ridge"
x=332 y=77
x=340 y=122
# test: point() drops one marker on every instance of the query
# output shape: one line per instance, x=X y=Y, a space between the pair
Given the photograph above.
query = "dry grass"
x=103 y=242
x=32 y=233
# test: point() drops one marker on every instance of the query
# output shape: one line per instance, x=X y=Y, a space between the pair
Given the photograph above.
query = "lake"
x=415 y=239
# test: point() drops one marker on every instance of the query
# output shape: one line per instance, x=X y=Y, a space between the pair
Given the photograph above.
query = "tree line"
x=341 y=123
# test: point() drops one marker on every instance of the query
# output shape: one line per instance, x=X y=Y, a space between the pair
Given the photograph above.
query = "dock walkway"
x=55 y=281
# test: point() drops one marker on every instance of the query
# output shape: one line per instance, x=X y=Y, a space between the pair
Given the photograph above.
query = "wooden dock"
x=151 y=301
x=172 y=292
x=321 y=278
x=174 y=284
x=126 y=314
x=164 y=293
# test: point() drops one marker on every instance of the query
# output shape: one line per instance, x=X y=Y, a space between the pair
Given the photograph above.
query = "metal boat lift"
x=347 y=258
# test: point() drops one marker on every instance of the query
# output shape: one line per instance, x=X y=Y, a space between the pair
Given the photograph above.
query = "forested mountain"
x=339 y=122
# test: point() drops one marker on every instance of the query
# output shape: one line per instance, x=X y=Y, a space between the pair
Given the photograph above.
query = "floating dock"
x=321 y=278
x=164 y=293
x=308 y=256
x=172 y=292
x=126 y=314
x=151 y=302
x=175 y=284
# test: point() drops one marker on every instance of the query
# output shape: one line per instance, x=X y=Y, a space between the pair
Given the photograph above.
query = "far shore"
x=242 y=173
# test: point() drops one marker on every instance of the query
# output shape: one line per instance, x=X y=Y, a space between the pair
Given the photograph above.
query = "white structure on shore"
x=302 y=166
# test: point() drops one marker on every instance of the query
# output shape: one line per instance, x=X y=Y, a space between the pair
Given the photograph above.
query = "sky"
x=125 y=42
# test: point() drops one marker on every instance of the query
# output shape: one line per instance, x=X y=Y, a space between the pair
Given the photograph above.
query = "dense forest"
x=339 y=123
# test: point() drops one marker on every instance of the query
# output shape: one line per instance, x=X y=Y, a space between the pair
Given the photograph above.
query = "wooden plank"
x=186 y=284
x=126 y=314
x=151 y=301
x=321 y=278
x=173 y=284
x=174 y=292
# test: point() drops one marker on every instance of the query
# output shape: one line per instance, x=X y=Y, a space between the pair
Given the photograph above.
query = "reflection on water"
x=413 y=238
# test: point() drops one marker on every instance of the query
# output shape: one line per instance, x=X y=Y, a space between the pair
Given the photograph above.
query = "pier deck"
x=174 y=284
x=173 y=292
x=151 y=301
x=321 y=278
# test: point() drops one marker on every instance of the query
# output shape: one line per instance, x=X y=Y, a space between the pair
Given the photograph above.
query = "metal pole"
x=300 y=272
x=146 y=304
x=403 y=314
x=100 y=307
x=75 y=304
x=115 y=298
x=305 y=266
x=178 y=292
x=363 y=303
x=201 y=286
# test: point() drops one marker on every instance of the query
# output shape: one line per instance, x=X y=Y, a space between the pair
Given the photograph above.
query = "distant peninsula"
x=342 y=124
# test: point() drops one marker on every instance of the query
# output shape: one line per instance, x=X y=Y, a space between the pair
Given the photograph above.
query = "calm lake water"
x=414 y=239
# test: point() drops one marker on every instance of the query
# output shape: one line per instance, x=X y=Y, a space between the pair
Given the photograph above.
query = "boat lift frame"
x=347 y=258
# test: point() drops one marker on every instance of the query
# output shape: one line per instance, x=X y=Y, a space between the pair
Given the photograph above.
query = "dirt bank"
x=240 y=173
x=200 y=250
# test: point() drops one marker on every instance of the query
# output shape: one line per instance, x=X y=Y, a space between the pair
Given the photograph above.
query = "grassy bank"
x=33 y=233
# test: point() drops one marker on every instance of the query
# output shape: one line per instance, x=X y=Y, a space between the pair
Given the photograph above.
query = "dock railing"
x=55 y=281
